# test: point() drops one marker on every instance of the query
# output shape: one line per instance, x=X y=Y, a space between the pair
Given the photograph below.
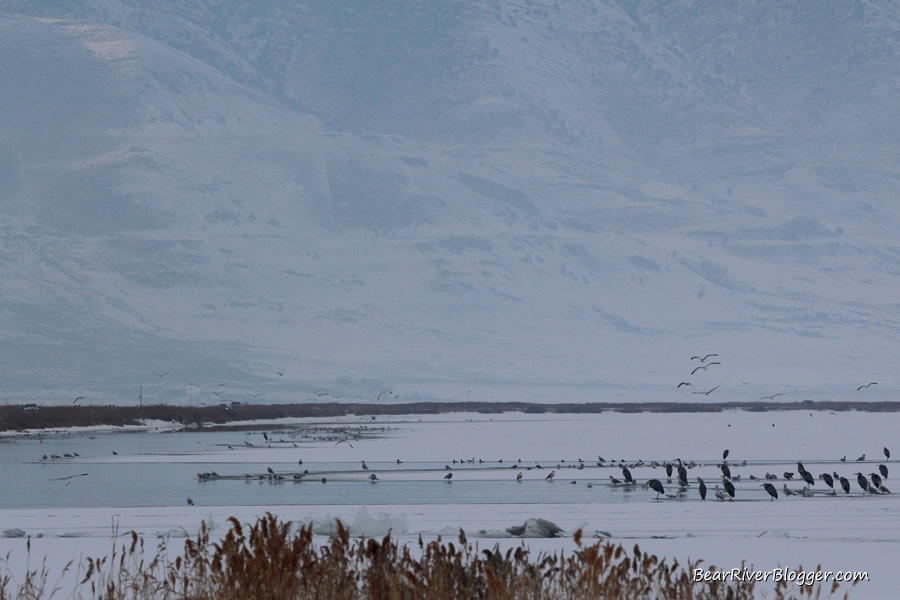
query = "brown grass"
x=269 y=562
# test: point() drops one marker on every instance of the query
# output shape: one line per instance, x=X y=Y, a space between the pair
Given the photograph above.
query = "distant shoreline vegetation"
x=16 y=417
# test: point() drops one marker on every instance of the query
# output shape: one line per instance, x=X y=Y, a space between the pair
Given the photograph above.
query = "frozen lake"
x=141 y=481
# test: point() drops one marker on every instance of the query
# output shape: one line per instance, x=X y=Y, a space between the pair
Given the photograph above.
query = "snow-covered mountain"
x=451 y=200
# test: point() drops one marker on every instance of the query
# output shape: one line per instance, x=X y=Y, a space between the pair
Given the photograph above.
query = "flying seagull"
x=706 y=393
x=705 y=367
x=867 y=385
x=67 y=478
x=772 y=397
x=684 y=383
x=703 y=359
x=78 y=398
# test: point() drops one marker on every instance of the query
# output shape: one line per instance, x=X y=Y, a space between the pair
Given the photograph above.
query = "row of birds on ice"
x=706 y=363
x=872 y=484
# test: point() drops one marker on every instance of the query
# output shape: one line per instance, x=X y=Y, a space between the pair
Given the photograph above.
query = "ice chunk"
x=366 y=525
x=536 y=528
x=13 y=533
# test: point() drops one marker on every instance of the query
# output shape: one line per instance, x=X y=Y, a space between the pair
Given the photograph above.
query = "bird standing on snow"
x=519 y=476
x=550 y=476
x=448 y=476
x=189 y=501
x=771 y=490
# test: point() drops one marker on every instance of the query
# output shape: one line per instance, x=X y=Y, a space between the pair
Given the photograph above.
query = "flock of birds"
x=706 y=363
x=872 y=483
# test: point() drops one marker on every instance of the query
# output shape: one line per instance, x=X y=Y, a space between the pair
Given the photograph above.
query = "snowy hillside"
x=466 y=200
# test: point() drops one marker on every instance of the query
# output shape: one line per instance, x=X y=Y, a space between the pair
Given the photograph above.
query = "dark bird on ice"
x=726 y=471
x=373 y=477
x=729 y=487
x=703 y=359
x=627 y=475
x=862 y=387
x=884 y=470
x=657 y=486
x=828 y=479
x=448 y=476
x=807 y=477
x=788 y=475
x=519 y=476
x=845 y=484
x=725 y=454
x=551 y=475
x=189 y=501
x=269 y=469
x=707 y=392
x=669 y=471
x=365 y=466
x=614 y=480
x=771 y=490
x=861 y=458
x=887 y=453
x=862 y=481
x=702 y=489
x=876 y=480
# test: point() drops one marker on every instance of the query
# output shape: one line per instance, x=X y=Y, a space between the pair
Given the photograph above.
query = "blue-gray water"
x=32 y=482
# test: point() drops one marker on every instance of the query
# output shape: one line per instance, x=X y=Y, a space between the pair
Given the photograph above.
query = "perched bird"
x=862 y=481
x=887 y=453
x=876 y=479
x=719 y=493
x=807 y=477
x=845 y=484
x=365 y=466
x=771 y=490
x=550 y=476
x=729 y=487
x=787 y=491
x=788 y=475
x=726 y=471
x=861 y=458
x=269 y=469
x=828 y=479
x=519 y=476
x=448 y=476
x=657 y=487
x=189 y=501
x=614 y=480
x=725 y=454
x=702 y=489
x=627 y=475
x=373 y=477
x=884 y=470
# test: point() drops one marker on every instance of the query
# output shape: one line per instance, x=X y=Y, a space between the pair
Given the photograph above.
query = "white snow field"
x=855 y=532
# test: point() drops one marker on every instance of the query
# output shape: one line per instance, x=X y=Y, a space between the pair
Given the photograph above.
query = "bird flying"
x=703 y=359
x=867 y=385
